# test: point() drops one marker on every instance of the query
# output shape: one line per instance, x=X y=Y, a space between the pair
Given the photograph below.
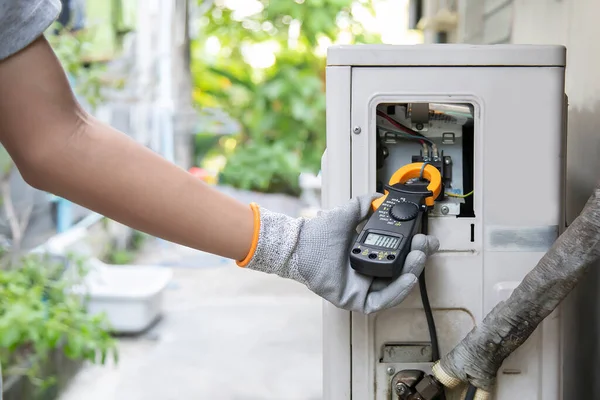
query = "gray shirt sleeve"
x=23 y=21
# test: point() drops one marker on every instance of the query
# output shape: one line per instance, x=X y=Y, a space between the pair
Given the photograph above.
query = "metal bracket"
x=413 y=384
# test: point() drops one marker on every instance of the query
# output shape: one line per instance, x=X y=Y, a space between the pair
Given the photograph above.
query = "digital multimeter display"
x=385 y=241
x=388 y=242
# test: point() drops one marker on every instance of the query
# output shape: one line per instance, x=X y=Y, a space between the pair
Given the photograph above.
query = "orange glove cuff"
x=256 y=212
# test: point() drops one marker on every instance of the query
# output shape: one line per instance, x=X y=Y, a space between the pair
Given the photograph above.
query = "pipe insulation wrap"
x=477 y=358
x=479 y=394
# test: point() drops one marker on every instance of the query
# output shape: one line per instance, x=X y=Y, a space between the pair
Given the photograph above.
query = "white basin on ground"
x=130 y=295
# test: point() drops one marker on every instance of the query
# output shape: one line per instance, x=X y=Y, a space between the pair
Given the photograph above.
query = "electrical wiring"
x=471 y=393
x=423 y=169
x=405 y=129
x=398 y=125
x=424 y=141
x=435 y=348
x=406 y=135
x=460 y=196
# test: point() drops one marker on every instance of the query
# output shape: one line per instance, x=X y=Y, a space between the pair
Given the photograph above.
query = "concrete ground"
x=227 y=334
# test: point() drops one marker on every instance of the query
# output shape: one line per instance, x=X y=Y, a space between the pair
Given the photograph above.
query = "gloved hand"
x=315 y=253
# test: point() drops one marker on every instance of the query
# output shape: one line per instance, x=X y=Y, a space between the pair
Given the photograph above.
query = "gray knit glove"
x=314 y=252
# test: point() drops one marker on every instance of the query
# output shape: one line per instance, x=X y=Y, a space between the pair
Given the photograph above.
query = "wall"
x=575 y=24
x=487 y=21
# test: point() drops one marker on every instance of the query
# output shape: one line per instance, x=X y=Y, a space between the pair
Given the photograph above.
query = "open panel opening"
x=441 y=134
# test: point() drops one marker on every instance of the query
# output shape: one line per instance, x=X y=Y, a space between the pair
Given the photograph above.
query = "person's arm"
x=61 y=149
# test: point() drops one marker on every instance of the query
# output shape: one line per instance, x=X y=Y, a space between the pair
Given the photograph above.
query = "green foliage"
x=263 y=168
x=6 y=165
x=280 y=107
x=204 y=143
x=39 y=314
x=70 y=49
x=119 y=257
x=137 y=240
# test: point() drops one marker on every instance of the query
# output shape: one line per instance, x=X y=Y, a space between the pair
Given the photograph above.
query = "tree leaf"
x=245 y=82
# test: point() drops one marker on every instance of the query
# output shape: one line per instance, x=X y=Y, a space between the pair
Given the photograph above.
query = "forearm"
x=60 y=149
x=106 y=171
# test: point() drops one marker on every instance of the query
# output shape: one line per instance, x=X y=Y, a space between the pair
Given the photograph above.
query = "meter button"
x=404 y=211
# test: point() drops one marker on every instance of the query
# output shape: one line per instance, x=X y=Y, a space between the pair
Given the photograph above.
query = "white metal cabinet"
x=516 y=94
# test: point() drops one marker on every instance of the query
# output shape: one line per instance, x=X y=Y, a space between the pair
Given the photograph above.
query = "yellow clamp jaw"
x=412 y=171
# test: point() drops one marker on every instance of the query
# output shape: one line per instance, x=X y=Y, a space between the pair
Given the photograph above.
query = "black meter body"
x=385 y=240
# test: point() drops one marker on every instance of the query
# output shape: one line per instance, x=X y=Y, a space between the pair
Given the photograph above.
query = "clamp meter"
x=385 y=240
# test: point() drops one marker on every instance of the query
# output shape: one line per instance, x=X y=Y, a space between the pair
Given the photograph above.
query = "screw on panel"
x=391 y=370
x=445 y=210
x=401 y=389
x=356 y=130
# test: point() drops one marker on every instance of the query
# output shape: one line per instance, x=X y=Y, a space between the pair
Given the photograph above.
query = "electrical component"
x=385 y=240
x=444 y=165
x=441 y=131
x=419 y=101
x=383 y=244
x=413 y=384
x=459 y=114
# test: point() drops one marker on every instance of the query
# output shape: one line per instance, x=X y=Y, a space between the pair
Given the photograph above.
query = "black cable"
x=471 y=393
x=435 y=349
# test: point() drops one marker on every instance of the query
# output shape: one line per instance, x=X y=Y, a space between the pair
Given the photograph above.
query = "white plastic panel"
x=444 y=55
x=336 y=190
x=518 y=111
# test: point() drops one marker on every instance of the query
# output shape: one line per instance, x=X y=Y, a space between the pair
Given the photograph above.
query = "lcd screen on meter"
x=388 y=242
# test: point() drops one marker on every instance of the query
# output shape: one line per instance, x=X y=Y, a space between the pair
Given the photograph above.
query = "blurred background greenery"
x=258 y=70
x=265 y=68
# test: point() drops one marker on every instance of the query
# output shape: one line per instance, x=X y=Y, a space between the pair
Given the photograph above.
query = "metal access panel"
x=495 y=115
